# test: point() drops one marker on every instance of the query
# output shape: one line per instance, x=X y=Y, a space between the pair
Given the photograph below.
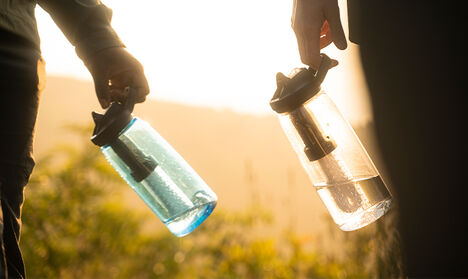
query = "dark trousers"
x=19 y=97
x=414 y=64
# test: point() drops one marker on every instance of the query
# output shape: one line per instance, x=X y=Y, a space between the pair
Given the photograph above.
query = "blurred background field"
x=81 y=221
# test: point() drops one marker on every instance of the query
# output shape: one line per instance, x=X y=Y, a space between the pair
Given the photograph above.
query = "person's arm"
x=316 y=24
x=86 y=24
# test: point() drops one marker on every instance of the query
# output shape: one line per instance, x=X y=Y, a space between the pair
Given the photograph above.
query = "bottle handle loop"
x=323 y=68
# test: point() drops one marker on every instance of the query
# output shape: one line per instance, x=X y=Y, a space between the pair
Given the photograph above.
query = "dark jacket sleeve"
x=85 y=23
x=354 y=20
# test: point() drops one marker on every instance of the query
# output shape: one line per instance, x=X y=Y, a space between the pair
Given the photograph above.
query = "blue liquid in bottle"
x=152 y=168
x=172 y=189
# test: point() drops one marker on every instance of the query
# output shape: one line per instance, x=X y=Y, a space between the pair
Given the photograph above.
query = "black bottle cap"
x=110 y=124
x=304 y=84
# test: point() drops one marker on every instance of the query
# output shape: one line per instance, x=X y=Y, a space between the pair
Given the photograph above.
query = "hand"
x=317 y=24
x=113 y=69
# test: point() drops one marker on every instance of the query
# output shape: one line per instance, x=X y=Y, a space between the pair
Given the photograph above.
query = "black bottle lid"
x=114 y=120
x=294 y=91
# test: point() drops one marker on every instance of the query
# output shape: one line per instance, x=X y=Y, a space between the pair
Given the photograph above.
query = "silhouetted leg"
x=414 y=75
x=19 y=97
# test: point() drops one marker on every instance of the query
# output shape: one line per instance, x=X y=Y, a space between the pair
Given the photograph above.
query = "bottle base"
x=368 y=216
x=186 y=222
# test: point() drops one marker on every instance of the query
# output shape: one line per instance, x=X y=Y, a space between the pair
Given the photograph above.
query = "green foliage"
x=76 y=225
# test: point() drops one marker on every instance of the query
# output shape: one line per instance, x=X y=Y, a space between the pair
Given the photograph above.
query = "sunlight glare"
x=221 y=54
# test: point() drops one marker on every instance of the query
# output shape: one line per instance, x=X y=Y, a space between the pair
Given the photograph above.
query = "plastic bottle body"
x=168 y=185
x=337 y=164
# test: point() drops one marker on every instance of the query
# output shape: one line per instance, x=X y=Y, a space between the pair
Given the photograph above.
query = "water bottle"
x=152 y=168
x=329 y=150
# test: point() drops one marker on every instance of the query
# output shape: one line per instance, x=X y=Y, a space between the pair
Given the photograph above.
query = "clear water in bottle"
x=337 y=163
x=356 y=203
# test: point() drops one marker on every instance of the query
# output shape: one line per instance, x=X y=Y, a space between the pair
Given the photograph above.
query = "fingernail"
x=341 y=44
x=104 y=103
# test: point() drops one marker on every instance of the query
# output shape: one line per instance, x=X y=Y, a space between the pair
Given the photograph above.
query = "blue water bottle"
x=152 y=168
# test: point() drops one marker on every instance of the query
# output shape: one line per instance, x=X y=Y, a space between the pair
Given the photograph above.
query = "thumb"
x=101 y=85
x=332 y=15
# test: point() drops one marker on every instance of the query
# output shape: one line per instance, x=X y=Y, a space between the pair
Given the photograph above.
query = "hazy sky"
x=217 y=53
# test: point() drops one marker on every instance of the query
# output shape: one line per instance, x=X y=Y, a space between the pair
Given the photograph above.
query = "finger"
x=325 y=28
x=121 y=79
x=325 y=35
x=139 y=81
x=118 y=83
x=118 y=94
x=308 y=40
x=134 y=78
x=141 y=95
x=326 y=39
x=101 y=86
x=307 y=22
x=332 y=14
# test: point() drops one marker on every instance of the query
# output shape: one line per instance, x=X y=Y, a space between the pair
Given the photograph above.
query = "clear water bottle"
x=152 y=168
x=335 y=160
